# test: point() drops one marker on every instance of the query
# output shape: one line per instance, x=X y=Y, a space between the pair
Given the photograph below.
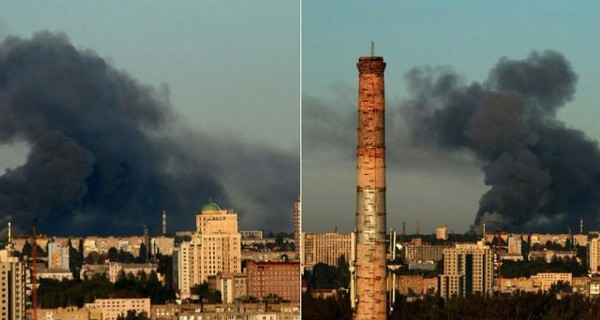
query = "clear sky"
x=467 y=36
x=232 y=69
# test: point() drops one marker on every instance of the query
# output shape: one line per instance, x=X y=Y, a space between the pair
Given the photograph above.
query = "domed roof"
x=211 y=206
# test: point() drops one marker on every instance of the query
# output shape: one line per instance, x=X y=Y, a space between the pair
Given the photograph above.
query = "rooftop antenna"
x=372 y=48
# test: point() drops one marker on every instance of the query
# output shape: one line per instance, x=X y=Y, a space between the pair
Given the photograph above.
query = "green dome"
x=210 y=207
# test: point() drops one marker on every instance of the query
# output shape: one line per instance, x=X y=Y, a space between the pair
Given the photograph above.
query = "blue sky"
x=467 y=36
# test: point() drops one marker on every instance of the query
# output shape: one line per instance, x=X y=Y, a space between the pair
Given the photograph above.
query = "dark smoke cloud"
x=108 y=154
x=541 y=173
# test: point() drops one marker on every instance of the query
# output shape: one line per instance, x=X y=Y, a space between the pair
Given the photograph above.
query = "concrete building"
x=214 y=248
x=297 y=226
x=325 y=248
x=251 y=234
x=544 y=281
x=268 y=255
x=543 y=238
x=115 y=268
x=468 y=269
x=163 y=245
x=12 y=285
x=423 y=252
x=258 y=311
x=441 y=232
x=593 y=254
x=54 y=274
x=89 y=270
x=514 y=285
x=416 y=285
x=274 y=278
x=70 y=313
x=232 y=286
x=112 y=308
x=58 y=256
x=515 y=245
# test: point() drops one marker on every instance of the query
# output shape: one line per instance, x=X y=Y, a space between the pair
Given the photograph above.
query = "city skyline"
x=211 y=94
x=427 y=185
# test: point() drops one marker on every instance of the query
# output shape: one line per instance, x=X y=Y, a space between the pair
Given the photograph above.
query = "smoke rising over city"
x=108 y=153
x=541 y=174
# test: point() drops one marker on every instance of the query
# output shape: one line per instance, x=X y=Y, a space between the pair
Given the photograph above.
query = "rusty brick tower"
x=371 y=295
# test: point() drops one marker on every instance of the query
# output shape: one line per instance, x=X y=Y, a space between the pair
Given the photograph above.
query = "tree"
x=143 y=254
x=133 y=315
x=113 y=254
x=204 y=293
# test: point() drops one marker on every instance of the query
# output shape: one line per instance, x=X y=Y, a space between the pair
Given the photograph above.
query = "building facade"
x=12 y=287
x=274 y=278
x=214 y=248
x=58 y=256
x=325 y=248
x=113 y=308
x=468 y=269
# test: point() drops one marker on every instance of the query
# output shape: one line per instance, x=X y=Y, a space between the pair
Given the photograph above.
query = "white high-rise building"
x=593 y=253
x=468 y=269
x=214 y=248
x=12 y=287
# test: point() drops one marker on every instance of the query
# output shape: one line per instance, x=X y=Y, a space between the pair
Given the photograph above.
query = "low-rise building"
x=258 y=311
x=115 y=268
x=70 y=313
x=545 y=280
x=232 y=286
x=113 y=308
x=274 y=278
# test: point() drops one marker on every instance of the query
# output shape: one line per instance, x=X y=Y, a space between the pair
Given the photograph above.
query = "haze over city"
x=173 y=108
x=534 y=67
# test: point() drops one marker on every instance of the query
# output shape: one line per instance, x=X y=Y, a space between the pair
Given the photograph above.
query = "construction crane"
x=34 y=273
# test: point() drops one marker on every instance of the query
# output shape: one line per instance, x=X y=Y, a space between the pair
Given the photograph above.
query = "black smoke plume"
x=542 y=174
x=108 y=155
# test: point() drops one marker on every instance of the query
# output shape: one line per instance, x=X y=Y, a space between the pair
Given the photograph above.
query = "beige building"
x=423 y=252
x=12 y=287
x=415 y=285
x=441 y=232
x=163 y=245
x=54 y=274
x=258 y=311
x=70 y=313
x=593 y=254
x=214 y=248
x=58 y=256
x=115 y=268
x=514 y=285
x=232 y=286
x=325 y=248
x=165 y=311
x=274 y=278
x=468 y=269
x=544 y=281
x=112 y=308
x=515 y=245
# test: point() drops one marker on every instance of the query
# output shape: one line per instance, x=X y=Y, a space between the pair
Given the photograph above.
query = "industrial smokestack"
x=164 y=222
x=370 y=192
